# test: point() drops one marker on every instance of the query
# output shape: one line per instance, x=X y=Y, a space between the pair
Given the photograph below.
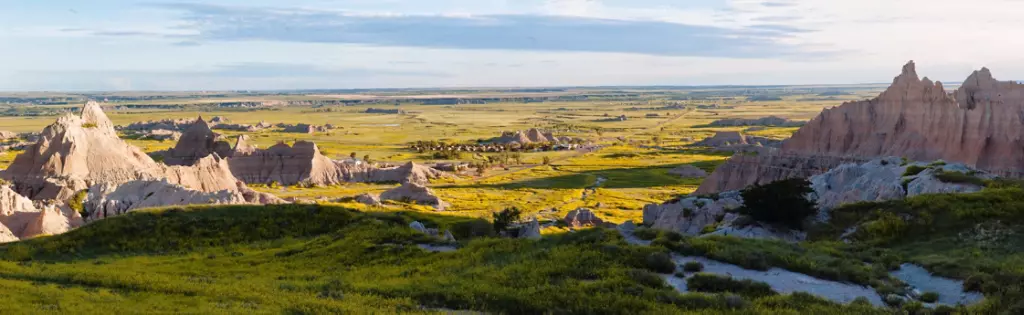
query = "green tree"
x=781 y=202
x=504 y=218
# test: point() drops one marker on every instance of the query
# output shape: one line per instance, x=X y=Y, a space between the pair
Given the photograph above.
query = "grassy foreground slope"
x=309 y=259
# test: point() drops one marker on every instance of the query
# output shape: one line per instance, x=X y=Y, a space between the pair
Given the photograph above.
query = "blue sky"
x=259 y=44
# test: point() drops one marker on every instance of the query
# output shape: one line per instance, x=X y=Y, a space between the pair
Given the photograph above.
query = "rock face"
x=20 y=218
x=980 y=124
x=198 y=141
x=76 y=152
x=417 y=193
x=5 y=135
x=688 y=171
x=876 y=180
x=106 y=200
x=582 y=217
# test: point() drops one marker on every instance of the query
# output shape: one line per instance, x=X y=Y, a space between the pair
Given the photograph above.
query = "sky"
x=116 y=45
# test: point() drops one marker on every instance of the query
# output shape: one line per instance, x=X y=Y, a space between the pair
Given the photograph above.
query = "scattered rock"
x=411 y=192
x=582 y=217
x=771 y=121
x=369 y=199
x=418 y=227
x=688 y=171
x=530 y=230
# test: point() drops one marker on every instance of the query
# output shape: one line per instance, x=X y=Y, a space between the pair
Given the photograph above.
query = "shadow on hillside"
x=635 y=177
x=179 y=229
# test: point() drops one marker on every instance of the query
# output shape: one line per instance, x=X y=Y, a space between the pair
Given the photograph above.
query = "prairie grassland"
x=634 y=171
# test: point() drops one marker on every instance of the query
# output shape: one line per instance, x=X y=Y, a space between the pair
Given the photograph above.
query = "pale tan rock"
x=24 y=219
x=369 y=199
x=76 y=152
x=582 y=217
x=198 y=141
x=410 y=192
x=107 y=200
x=6 y=236
x=53 y=220
x=530 y=230
x=5 y=135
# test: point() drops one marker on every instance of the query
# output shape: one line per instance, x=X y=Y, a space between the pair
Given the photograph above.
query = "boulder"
x=530 y=230
x=582 y=217
x=410 y=192
x=369 y=199
x=688 y=171
x=418 y=227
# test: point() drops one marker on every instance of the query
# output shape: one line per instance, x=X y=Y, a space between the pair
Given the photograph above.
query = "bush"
x=77 y=202
x=646 y=234
x=929 y=297
x=958 y=178
x=660 y=262
x=703 y=282
x=693 y=266
x=914 y=170
x=782 y=202
x=505 y=218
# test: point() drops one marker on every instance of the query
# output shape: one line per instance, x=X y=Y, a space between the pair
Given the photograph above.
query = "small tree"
x=547 y=160
x=505 y=218
x=352 y=155
x=782 y=202
x=366 y=158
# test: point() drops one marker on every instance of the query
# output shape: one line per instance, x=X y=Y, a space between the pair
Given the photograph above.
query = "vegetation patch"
x=703 y=282
x=783 y=202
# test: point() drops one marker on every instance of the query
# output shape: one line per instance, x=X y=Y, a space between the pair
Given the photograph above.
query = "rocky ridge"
x=876 y=180
x=980 y=124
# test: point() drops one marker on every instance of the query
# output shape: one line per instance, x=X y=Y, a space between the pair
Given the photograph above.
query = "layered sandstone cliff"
x=78 y=151
x=980 y=124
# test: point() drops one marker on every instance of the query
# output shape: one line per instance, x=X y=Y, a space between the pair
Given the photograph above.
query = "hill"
x=304 y=259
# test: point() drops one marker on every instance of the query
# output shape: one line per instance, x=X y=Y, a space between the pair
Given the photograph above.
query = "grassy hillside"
x=300 y=259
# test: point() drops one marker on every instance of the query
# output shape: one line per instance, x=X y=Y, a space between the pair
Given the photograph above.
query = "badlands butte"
x=751 y=200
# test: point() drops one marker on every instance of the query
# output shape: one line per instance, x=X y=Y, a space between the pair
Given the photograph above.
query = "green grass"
x=703 y=282
x=973 y=237
x=323 y=259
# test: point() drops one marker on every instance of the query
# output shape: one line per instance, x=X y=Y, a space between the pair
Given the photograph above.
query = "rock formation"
x=875 y=180
x=372 y=110
x=304 y=128
x=727 y=139
x=582 y=217
x=530 y=230
x=20 y=218
x=369 y=199
x=197 y=142
x=5 y=135
x=980 y=124
x=688 y=171
x=771 y=121
x=417 y=193
x=106 y=200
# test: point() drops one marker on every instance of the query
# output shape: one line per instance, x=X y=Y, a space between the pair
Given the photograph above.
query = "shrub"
x=77 y=202
x=646 y=234
x=660 y=262
x=89 y=125
x=958 y=178
x=646 y=278
x=929 y=297
x=914 y=170
x=782 y=202
x=693 y=266
x=505 y=218
x=546 y=160
x=703 y=282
